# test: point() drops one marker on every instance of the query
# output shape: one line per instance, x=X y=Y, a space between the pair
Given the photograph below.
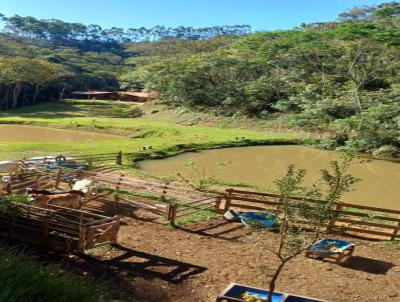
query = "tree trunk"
x=37 y=88
x=16 y=92
x=356 y=92
x=62 y=93
x=6 y=99
x=272 y=283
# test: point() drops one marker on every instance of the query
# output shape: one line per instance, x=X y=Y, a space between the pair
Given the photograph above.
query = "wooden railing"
x=100 y=158
x=172 y=202
x=176 y=211
x=59 y=228
x=32 y=179
x=168 y=202
x=371 y=222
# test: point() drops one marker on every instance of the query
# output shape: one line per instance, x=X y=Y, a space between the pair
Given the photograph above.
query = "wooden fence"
x=32 y=179
x=172 y=202
x=166 y=201
x=116 y=158
x=59 y=228
x=350 y=219
x=176 y=211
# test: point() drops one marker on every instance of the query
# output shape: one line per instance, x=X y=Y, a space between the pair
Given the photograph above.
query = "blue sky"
x=260 y=14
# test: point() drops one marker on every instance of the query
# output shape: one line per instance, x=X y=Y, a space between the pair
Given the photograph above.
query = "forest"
x=337 y=79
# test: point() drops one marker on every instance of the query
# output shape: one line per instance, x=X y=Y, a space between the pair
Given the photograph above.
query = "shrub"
x=7 y=203
x=385 y=151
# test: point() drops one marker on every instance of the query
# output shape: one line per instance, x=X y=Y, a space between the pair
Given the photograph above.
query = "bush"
x=386 y=151
x=7 y=203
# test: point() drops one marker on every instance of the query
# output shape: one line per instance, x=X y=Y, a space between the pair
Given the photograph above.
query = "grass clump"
x=23 y=279
x=196 y=217
x=393 y=244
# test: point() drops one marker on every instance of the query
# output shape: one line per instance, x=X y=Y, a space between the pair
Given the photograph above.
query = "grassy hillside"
x=111 y=117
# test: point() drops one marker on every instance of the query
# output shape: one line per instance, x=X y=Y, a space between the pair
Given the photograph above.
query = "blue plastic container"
x=330 y=246
x=236 y=291
x=261 y=219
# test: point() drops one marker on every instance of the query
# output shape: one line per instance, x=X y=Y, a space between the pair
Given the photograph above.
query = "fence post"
x=120 y=179
x=118 y=160
x=9 y=188
x=333 y=219
x=58 y=178
x=168 y=211
x=171 y=213
x=228 y=199
x=395 y=232
x=116 y=204
x=82 y=238
x=174 y=209
x=164 y=193
x=37 y=185
x=217 y=205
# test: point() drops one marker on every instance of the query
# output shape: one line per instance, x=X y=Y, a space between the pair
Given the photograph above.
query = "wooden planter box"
x=234 y=293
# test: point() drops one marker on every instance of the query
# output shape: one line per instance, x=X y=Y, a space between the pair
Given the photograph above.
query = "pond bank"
x=25 y=133
x=261 y=165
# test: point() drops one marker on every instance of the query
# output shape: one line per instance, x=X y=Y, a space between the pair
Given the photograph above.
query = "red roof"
x=145 y=95
x=92 y=92
x=141 y=95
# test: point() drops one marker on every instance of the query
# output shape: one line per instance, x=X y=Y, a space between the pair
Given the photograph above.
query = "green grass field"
x=117 y=118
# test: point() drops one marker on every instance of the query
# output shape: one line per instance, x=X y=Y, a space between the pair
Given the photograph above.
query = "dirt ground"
x=155 y=262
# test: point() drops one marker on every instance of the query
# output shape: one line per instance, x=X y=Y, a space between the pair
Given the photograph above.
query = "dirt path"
x=157 y=263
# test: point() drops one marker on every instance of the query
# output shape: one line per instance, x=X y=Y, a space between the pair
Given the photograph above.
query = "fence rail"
x=173 y=202
x=59 y=228
x=169 y=202
x=371 y=222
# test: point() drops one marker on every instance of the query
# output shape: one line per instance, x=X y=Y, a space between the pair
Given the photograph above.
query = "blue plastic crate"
x=260 y=219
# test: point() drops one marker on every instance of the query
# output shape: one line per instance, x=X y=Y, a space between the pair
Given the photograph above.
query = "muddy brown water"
x=261 y=165
x=25 y=133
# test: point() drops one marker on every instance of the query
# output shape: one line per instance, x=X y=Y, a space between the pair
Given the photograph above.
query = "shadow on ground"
x=368 y=265
x=136 y=263
x=217 y=228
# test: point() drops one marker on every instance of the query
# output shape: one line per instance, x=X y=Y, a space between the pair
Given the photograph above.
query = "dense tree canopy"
x=94 y=37
x=339 y=79
x=23 y=79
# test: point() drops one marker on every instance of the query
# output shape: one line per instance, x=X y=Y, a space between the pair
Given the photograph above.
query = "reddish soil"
x=157 y=263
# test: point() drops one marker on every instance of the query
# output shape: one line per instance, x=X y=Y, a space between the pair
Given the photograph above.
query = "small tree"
x=199 y=179
x=301 y=221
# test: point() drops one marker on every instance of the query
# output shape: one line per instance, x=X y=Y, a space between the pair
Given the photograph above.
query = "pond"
x=25 y=133
x=261 y=165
